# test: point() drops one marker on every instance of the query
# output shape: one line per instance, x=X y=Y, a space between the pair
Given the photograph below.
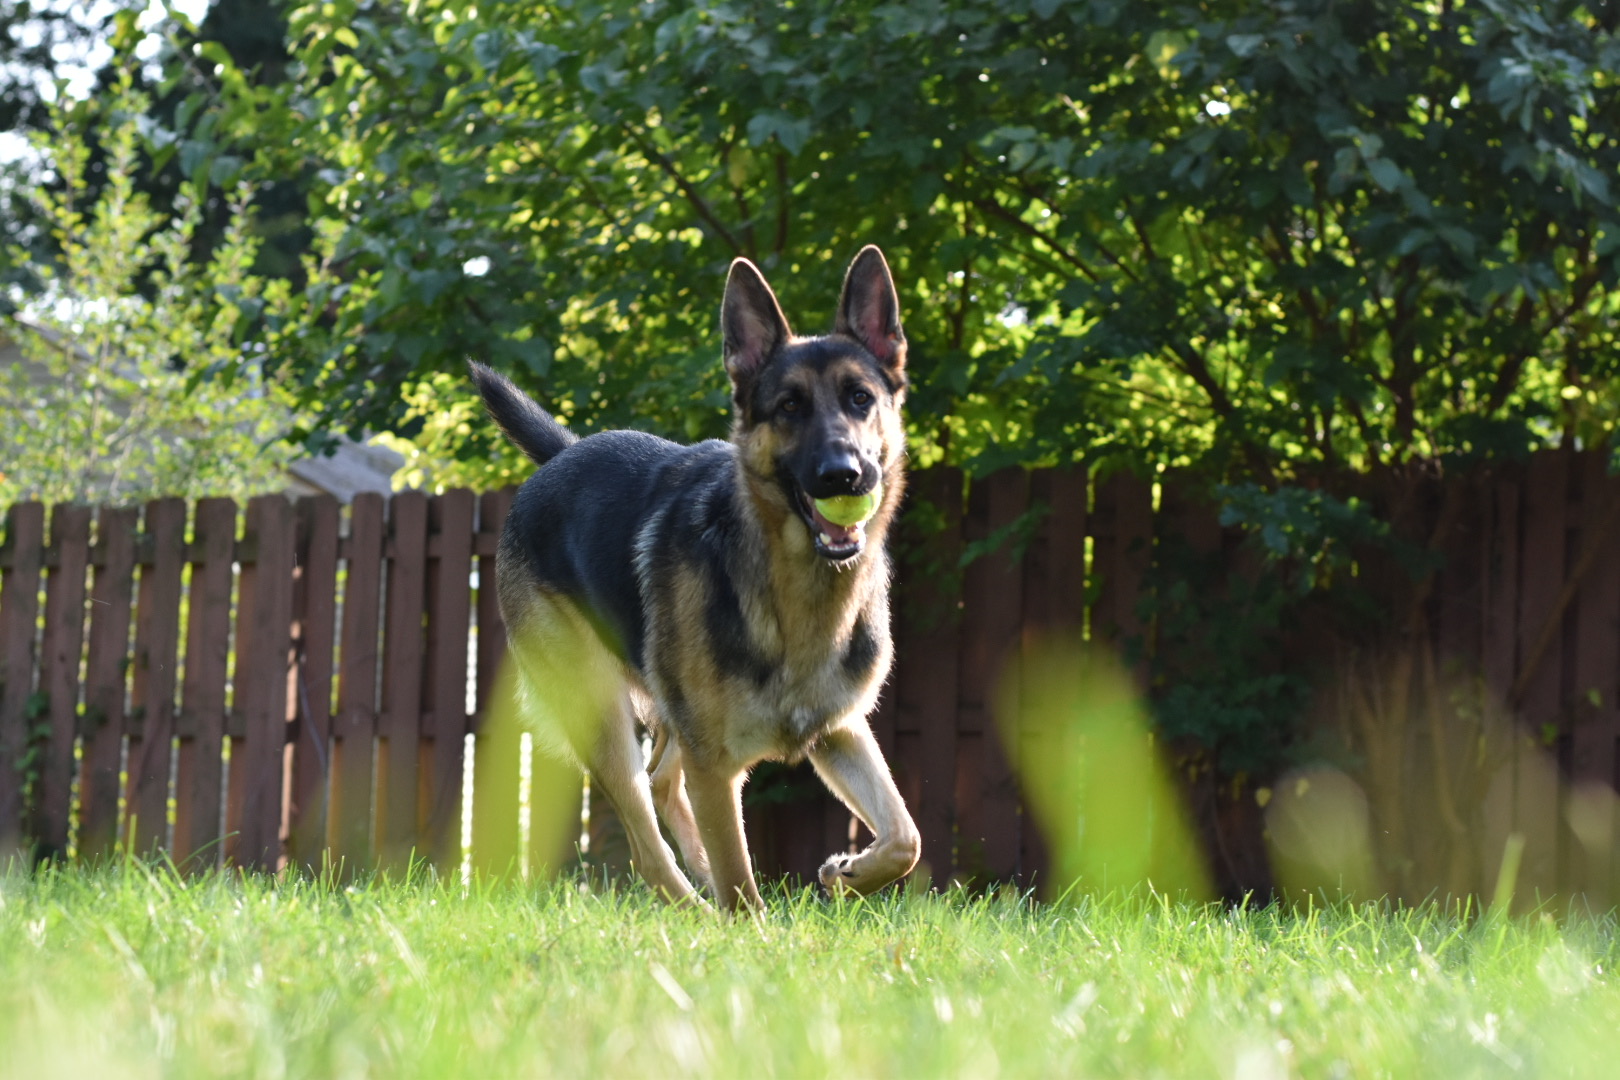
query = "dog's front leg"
x=850 y=763
x=716 y=795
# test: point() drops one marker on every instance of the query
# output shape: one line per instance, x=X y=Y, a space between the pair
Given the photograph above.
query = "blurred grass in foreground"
x=127 y=972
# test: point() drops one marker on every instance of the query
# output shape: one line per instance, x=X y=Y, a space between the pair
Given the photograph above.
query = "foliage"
x=1224 y=692
x=445 y=417
x=128 y=971
x=139 y=375
x=1278 y=237
x=1289 y=244
x=34 y=41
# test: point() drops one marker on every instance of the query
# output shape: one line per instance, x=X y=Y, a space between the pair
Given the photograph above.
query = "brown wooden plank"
x=1596 y=690
x=349 y=826
x=1123 y=557
x=1597 y=641
x=1539 y=680
x=993 y=619
x=449 y=599
x=263 y=654
x=1501 y=590
x=927 y=633
x=199 y=781
x=1460 y=586
x=314 y=627
x=1042 y=614
x=495 y=755
x=61 y=652
x=156 y=668
x=19 y=614
x=1066 y=548
x=105 y=674
x=400 y=724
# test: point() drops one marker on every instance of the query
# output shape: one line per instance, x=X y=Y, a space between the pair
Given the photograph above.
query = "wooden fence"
x=297 y=682
x=300 y=689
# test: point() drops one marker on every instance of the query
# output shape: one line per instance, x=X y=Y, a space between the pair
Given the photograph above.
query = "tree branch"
x=991 y=206
x=696 y=200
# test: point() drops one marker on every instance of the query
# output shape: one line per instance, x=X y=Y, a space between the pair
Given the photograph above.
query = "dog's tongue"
x=835 y=535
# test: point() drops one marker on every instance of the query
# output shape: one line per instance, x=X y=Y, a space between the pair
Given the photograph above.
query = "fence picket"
x=21 y=560
x=1538 y=683
x=156 y=667
x=927 y=636
x=314 y=627
x=449 y=611
x=992 y=588
x=263 y=647
x=349 y=805
x=1596 y=690
x=400 y=722
x=59 y=674
x=105 y=676
x=199 y=780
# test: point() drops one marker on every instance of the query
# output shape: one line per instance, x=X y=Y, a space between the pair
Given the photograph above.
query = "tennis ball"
x=849 y=510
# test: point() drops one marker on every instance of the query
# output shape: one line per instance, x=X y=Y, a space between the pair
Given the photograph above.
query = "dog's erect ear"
x=869 y=310
x=751 y=323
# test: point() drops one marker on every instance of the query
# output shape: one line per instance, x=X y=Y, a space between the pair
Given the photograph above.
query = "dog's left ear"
x=869 y=311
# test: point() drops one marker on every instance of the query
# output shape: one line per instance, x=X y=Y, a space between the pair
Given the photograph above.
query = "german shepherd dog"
x=701 y=591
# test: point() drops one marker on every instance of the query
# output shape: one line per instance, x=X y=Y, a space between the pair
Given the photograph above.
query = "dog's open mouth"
x=833 y=541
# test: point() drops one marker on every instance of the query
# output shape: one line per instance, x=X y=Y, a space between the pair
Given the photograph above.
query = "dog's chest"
x=822 y=666
x=782 y=717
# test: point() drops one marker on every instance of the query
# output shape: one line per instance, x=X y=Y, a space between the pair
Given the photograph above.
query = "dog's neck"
x=814 y=601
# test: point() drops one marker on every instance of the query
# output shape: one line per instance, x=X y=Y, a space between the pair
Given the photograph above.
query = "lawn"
x=131 y=972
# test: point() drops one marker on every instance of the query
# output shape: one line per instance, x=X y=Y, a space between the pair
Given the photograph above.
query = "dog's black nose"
x=837 y=474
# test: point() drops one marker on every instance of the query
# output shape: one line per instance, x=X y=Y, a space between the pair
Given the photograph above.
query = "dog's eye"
x=791 y=406
x=861 y=399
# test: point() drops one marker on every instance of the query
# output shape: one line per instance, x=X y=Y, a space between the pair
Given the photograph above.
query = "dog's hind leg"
x=669 y=795
x=850 y=763
x=616 y=765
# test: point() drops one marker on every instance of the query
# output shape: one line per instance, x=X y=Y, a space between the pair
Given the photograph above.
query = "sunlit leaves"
x=142 y=371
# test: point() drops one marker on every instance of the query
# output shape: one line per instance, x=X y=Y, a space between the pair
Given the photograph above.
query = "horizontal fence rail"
x=299 y=682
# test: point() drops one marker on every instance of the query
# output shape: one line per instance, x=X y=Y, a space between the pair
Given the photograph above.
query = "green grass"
x=130 y=972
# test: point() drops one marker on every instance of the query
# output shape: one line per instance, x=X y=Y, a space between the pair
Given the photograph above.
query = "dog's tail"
x=533 y=429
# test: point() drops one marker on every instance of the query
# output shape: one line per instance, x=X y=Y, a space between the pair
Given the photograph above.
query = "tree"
x=32 y=38
x=1304 y=249
x=1282 y=240
x=139 y=377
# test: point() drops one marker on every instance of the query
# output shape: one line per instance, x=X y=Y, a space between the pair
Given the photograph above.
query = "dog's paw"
x=837 y=875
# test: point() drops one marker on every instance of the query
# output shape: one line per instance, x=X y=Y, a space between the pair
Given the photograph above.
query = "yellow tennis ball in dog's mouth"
x=850 y=510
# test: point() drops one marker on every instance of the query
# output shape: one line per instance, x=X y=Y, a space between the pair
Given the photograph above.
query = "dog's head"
x=819 y=417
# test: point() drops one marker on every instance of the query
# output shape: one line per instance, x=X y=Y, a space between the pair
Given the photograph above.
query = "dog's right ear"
x=752 y=326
